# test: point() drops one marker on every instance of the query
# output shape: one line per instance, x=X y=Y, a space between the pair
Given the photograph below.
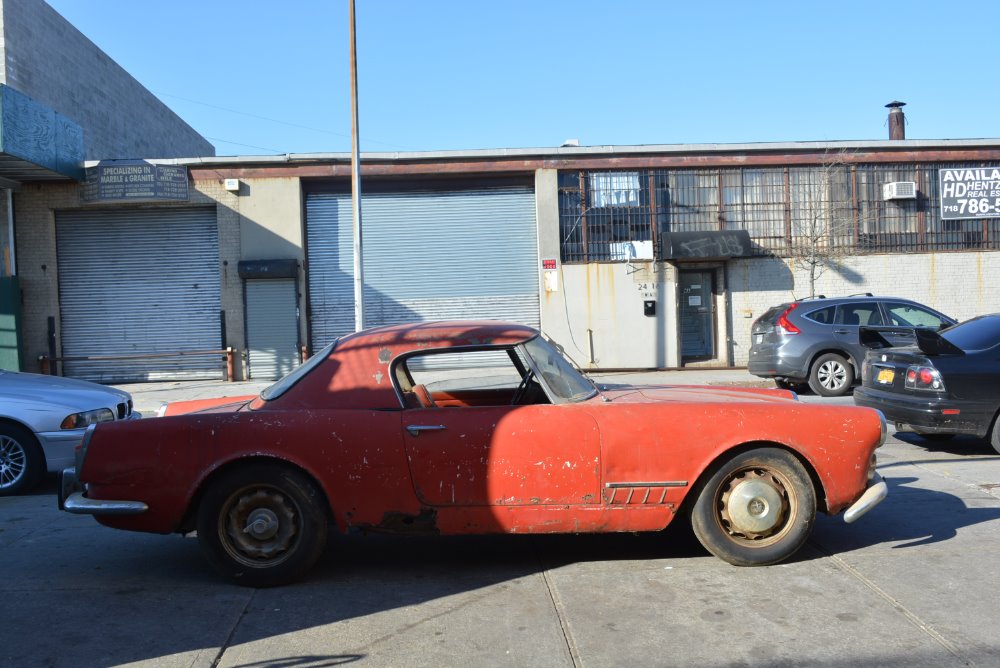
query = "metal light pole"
x=359 y=271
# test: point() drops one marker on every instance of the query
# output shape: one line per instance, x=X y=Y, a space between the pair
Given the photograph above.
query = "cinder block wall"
x=52 y=62
x=961 y=285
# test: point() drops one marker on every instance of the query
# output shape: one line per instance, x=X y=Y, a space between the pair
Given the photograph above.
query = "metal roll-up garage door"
x=135 y=282
x=272 y=328
x=428 y=255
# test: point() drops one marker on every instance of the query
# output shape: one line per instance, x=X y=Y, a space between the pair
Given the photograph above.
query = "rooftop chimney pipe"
x=897 y=121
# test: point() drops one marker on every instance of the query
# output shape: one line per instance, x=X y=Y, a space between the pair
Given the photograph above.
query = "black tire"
x=995 y=434
x=22 y=463
x=831 y=375
x=291 y=519
x=758 y=508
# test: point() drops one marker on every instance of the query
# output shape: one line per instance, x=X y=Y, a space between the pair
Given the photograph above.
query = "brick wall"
x=49 y=60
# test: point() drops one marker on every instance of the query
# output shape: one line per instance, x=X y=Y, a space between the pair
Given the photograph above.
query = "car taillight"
x=924 y=378
x=785 y=324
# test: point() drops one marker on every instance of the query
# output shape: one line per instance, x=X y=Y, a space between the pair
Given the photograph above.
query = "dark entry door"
x=695 y=315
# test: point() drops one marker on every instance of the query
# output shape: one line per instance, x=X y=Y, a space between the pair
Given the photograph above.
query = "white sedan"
x=42 y=420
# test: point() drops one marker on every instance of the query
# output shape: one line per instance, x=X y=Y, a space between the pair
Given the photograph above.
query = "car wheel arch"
x=5 y=420
x=721 y=458
x=846 y=354
x=189 y=521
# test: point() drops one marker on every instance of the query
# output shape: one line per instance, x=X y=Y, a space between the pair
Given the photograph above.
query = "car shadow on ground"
x=909 y=517
x=144 y=582
x=957 y=445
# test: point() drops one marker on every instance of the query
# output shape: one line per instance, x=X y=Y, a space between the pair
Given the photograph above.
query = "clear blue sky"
x=259 y=76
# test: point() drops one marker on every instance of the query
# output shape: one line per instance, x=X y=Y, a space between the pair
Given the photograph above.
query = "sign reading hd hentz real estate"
x=970 y=193
x=118 y=180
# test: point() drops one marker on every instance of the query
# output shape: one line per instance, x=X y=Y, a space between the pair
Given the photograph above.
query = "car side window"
x=908 y=315
x=823 y=316
x=858 y=315
x=456 y=379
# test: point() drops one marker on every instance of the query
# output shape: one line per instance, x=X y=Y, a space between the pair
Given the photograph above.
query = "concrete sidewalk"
x=148 y=397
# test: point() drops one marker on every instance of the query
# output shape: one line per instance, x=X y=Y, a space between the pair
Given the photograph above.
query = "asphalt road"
x=910 y=584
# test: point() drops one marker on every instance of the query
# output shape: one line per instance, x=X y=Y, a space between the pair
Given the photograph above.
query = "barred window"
x=607 y=216
x=618 y=215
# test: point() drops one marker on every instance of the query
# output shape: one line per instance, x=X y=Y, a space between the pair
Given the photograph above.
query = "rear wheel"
x=831 y=375
x=995 y=435
x=22 y=463
x=758 y=508
x=262 y=525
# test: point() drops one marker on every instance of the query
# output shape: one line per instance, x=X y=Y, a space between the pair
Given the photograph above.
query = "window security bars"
x=617 y=216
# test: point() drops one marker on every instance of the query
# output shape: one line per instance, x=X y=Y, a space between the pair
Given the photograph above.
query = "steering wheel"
x=522 y=388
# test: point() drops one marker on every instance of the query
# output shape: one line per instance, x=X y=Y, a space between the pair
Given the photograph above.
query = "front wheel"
x=831 y=375
x=262 y=525
x=22 y=463
x=757 y=509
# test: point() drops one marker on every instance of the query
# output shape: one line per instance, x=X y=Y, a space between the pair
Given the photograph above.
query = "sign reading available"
x=970 y=193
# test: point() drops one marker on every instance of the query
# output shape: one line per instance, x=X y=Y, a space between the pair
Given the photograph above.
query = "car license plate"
x=885 y=376
x=760 y=338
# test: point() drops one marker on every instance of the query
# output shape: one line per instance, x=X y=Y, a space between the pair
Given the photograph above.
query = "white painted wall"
x=961 y=285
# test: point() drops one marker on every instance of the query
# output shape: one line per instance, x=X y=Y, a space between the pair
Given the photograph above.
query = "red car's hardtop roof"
x=444 y=334
x=356 y=372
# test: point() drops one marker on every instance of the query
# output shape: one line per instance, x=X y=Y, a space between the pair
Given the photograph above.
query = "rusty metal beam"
x=493 y=165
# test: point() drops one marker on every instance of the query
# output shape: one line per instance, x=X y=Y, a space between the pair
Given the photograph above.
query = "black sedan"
x=947 y=384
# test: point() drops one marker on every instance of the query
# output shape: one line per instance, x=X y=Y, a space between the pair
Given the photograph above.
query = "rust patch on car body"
x=424 y=522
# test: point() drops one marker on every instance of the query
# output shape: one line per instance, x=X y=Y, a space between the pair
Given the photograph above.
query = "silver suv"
x=815 y=341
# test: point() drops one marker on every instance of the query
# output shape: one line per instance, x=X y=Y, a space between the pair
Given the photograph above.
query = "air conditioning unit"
x=899 y=190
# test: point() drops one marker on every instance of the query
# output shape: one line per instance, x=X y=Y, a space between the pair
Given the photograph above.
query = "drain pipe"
x=10 y=231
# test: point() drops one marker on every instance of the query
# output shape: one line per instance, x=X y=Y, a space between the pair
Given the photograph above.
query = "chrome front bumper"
x=874 y=495
x=72 y=499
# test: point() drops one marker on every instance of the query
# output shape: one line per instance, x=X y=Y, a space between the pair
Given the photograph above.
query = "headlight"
x=87 y=418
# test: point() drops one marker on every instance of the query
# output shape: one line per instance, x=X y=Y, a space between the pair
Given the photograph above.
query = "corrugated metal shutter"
x=429 y=255
x=139 y=282
x=272 y=328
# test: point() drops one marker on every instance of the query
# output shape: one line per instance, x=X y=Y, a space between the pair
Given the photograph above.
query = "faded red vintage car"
x=475 y=427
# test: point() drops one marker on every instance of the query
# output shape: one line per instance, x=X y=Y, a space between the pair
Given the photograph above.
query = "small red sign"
x=548 y=264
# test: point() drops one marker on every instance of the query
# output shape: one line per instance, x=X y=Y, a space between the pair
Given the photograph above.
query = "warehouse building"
x=129 y=252
x=55 y=85
x=631 y=257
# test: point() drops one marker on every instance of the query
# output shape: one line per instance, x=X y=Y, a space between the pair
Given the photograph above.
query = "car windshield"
x=976 y=334
x=562 y=379
x=283 y=385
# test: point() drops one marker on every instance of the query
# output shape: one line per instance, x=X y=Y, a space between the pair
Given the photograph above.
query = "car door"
x=503 y=455
x=849 y=319
x=902 y=318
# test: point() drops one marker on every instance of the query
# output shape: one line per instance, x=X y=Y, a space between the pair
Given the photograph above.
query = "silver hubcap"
x=832 y=375
x=13 y=460
x=754 y=507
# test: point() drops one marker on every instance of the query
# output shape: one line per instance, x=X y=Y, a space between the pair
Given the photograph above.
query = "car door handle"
x=842 y=331
x=415 y=429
